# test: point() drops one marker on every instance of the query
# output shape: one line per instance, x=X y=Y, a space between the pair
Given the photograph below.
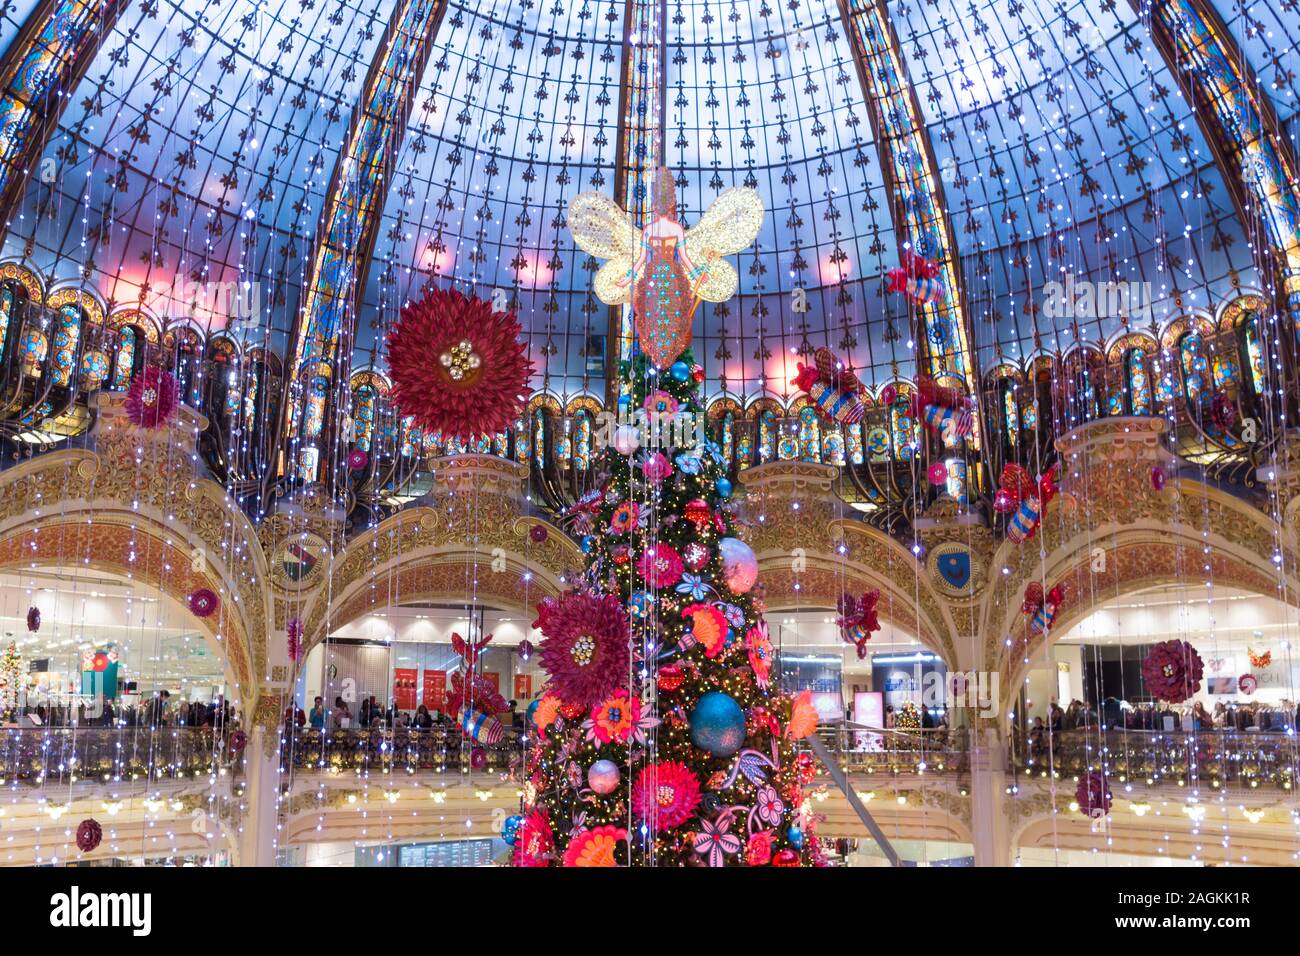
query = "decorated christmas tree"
x=12 y=681
x=661 y=738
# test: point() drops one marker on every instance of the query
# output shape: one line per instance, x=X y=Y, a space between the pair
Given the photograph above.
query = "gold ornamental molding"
x=86 y=508
x=468 y=536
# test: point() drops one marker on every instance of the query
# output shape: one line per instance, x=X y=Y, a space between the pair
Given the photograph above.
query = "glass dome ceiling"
x=203 y=137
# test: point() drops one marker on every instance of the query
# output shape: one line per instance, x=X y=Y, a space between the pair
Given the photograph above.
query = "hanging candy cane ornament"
x=835 y=391
x=944 y=411
x=1042 y=610
x=917 y=278
x=479 y=726
x=1025 y=497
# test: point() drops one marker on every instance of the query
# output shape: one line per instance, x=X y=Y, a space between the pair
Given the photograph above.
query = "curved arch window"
x=1137 y=383
x=1254 y=348
x=564 y=443
x=767 y=436
x=411 y=439
x=67 y=332
x=8 y=305
x=1166 y=387
x=902 y=427
x=745 y=449
x=188 y=377
x=33 y=346
x=853 y=440
x=728 y=437
x=810 y=434
x=124 y=362
x=252 y=385
x=94 y=369
x=1085 y=395
x=539 y=438
x=1029 y=415
x=363 y=417
x=833 y=448
x=582 y=439
x=1191 y=357
x=521 y=441
x=1010 y=414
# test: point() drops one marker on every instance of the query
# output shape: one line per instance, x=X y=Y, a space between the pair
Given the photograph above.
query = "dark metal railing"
x=108 y=754
x=404 y=749
x=1179 y=758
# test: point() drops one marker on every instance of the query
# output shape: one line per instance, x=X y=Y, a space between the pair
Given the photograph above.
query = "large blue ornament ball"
x=795 y=836
x=723 y=487
x=641 y=604
x=680 y=371
x=739 y=565
x=531 y=713
x=718 y=724
x=510 y=829
x=588 y=543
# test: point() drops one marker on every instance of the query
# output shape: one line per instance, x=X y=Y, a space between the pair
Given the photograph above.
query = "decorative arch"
x=1144 y=546
x=29 y=279
x=420 y=554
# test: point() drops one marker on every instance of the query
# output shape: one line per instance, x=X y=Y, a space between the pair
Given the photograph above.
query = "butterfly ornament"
x=665 y=270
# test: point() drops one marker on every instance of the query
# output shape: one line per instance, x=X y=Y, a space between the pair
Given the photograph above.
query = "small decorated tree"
x=12 y=681
x=661 y=738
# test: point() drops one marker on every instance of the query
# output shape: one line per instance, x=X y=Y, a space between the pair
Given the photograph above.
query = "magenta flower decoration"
x=203 y=602
x=656 y=468
x=357 y=459
x=1092 y=795
x=89 y=833
x=33 y=619
x=585 y=649
x=152 y=398
x=660 y=565
x=293 y=633
x=238 y=741
x=1172 y=671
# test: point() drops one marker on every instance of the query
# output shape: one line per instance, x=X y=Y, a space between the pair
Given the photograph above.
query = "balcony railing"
x=862 y=749
x=1217 y=758
x=406 y=750
x=36 y=755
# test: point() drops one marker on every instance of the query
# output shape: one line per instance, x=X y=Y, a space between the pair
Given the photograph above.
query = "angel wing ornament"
x=666 y=270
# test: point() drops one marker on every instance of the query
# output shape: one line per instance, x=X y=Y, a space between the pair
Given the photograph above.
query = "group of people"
x=372 y=715
x=1116 y=714
x=157 y=710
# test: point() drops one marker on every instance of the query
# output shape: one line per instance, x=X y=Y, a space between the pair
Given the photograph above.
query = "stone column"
x=990 y=827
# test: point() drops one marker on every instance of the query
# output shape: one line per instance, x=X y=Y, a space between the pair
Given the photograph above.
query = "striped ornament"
x=1042 y=620
x=924 y=290
x=836 y=404
x=937 y=417
x=479 y=726
x=1024 y=522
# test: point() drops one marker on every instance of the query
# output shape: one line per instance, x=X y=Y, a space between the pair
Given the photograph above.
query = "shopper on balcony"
x=423 y=721
x=341 y=716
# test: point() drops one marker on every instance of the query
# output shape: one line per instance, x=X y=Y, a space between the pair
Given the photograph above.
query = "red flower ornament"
x=89 y=833
x=1092 y=795
x=203 y=602
x=1172 y=671
x=458 y=366
x=152 y=398
x=585 y=648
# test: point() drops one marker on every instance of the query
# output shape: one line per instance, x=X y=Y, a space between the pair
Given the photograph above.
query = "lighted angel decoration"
x=667 y=270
